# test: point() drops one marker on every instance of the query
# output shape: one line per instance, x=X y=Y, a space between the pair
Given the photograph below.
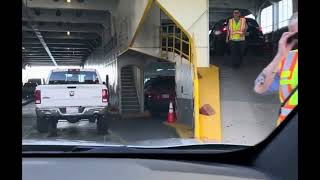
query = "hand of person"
x=283 y=47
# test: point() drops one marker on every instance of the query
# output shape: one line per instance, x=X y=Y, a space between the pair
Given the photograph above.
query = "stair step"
x=125 y=106
x=127 y=82
x=130 y=105
x=126 y=72
x=128 y=88
x=135 y=103
x=134 y=110
x=126 y=75
x=129 y=100
x=129 y=94
x=124 y=98
x=126 y=78
x=129 y=97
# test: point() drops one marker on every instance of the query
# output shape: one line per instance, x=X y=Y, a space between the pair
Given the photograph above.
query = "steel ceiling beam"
x=101 y=5
x=26 y=13
x=61 y=46
x=64 y=27
x=25 y=55
x=57 y=41
x=53 y=51
x=55 y=54
x=70 y=16
x=62 y=35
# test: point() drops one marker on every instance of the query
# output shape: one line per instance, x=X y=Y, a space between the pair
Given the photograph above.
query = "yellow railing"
x=172 y=39
x=169 y=35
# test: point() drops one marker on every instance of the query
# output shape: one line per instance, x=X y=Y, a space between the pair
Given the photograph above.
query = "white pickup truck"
x=72 y=95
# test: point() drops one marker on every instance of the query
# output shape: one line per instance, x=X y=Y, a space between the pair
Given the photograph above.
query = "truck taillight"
x=37 y=97
x=105 y=95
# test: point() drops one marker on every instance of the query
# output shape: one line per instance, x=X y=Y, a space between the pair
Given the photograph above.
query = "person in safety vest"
x=282 y=73
x=236 y=31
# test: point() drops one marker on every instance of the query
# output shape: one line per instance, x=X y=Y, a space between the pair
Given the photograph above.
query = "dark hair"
x=236 y=9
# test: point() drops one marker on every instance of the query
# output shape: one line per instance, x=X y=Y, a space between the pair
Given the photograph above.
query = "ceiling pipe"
x=36 y=31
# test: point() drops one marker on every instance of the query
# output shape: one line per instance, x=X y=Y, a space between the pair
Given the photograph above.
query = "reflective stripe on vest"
x=288 y=81
x=233 y=26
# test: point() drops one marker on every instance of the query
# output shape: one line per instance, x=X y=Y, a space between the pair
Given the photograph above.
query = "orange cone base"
x=171 y=118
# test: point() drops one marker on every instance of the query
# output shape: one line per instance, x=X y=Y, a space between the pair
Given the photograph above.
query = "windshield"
x=68 y=77
x=93 y=74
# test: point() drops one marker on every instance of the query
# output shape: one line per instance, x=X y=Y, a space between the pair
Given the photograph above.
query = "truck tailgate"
x=71 y=95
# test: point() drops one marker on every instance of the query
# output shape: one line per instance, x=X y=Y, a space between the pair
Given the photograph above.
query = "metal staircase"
x=129 y=98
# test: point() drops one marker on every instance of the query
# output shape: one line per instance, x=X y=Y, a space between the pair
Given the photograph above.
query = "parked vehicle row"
x=158 y=93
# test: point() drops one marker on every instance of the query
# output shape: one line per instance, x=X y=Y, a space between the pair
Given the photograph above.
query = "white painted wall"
x=127 y=17
x=183 y=78
x=147 y=40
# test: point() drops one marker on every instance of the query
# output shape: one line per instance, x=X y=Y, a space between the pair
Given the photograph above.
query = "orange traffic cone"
x=171 y=116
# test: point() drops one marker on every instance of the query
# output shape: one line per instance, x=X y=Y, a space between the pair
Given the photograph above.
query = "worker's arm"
x=266 y=77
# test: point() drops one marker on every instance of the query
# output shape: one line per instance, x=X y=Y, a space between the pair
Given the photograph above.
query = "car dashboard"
x=133 y=169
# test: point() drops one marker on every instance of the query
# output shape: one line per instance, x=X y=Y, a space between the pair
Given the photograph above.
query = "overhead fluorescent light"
x=68 y=1
x=68 y=33
x=159 y=69
x=23 y=48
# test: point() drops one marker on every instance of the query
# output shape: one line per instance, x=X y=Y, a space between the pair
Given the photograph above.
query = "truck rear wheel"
x=42 y=125
x=53 y=126
x=102 y=125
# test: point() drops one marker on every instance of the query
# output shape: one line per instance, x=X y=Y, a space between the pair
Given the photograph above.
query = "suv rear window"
x=163 y=83
x=77 y=77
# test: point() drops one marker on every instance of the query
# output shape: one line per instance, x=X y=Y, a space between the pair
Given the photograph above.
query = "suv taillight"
x=105 y=95
x=37 y=97
x=224 y=29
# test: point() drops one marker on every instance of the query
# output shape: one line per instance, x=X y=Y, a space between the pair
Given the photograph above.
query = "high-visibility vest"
x=288 y=81
x=234 y=26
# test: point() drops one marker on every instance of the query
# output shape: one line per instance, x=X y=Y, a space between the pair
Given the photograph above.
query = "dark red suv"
x=158 y=93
